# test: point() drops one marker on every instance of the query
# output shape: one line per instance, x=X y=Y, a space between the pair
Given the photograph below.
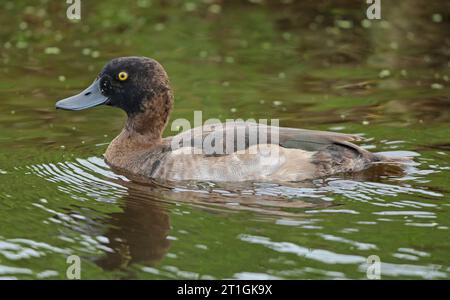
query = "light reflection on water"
x=142 y=231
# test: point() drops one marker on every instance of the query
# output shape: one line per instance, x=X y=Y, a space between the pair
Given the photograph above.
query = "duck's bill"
x=90 y=97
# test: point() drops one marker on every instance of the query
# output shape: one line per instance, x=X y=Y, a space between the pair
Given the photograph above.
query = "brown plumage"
x=140 y=152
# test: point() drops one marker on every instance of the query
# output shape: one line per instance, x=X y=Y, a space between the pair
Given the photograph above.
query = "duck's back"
x=231 y=152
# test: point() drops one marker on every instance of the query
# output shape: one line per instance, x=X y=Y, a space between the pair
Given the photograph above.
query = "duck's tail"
x=396 y=157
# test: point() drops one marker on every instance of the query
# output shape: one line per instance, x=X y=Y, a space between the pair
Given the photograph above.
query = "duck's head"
x=133 y=84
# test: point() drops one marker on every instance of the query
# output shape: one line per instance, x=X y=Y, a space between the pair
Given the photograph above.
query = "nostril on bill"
x=87 y=94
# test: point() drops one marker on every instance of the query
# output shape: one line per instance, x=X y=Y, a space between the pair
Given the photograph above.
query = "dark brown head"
x=138 y=85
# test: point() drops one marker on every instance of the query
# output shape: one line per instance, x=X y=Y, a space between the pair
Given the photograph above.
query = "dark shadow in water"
x=138 y=234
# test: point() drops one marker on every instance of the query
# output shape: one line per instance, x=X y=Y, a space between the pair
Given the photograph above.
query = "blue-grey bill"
x=90 y=97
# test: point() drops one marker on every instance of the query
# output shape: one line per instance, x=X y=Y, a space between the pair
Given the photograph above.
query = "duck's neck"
x=142 y=131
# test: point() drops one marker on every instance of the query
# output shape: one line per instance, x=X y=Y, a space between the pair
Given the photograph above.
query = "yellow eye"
x=123 y=76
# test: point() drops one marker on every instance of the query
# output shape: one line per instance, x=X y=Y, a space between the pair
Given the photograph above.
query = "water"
x=317 y=66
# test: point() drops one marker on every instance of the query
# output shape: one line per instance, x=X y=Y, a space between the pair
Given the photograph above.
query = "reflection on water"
x=137 y=234
x=312 y=64
x=142 y=233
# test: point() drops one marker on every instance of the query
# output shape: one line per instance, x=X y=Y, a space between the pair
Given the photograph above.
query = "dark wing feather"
x=308 y=140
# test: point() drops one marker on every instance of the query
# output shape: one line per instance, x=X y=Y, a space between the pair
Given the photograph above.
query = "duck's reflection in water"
x=137 y=234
